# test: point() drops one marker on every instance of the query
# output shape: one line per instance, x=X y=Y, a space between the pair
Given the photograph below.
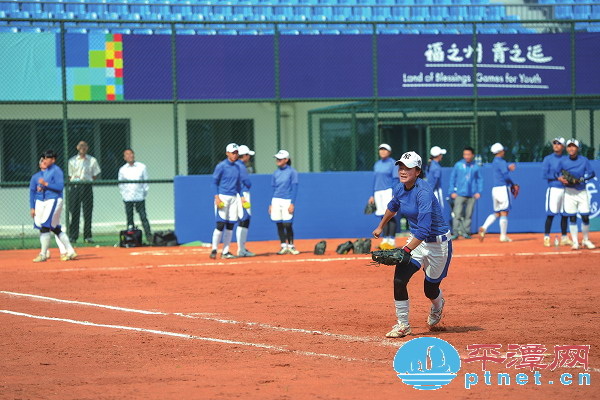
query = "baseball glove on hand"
x=391 y=257
x=514 y=189
x=571 y=180
x=370 y=208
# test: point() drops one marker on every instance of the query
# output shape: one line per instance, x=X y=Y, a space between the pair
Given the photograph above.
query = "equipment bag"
x=164 y=238
x=130 y=238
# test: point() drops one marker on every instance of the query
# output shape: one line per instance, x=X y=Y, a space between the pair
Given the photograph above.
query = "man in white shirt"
x=82 y=168
x=134 y=194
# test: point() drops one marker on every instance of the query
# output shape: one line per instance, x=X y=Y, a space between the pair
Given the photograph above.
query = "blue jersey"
x=244 y=177
x=285 y=183
x=551 y=170
x=386 y=176
x=500 y=172
x=434 y=175
x=579 y=167
x=465 y=179
x=422 y=210
x=227 y=178
x=56 y=183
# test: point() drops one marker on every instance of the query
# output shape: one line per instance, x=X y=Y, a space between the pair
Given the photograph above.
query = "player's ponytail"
x=289 y=162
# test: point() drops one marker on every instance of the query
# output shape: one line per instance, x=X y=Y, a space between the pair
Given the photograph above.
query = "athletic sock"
x=503 y=225
x=574 y=231
x=489 y=220
x=227 y=235
x=61 y=246
x=216 y=238
x=563 y=225
x=437 y=302
x=402 y=311
x=548 y=225
x=64 y=238
x=45 y=242
x=585 y=229
x=242 y=235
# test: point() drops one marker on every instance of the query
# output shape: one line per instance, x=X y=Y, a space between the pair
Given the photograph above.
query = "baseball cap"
x=410 y=159
x=243 y=149
x=560 y=140
x=231 y=147
x=496 y=148
x=574 y=142
x=436 y=151
x=281 y=154
x=385 y=146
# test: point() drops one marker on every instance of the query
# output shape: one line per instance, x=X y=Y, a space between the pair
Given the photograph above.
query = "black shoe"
x=213 y=254
x=89 y=240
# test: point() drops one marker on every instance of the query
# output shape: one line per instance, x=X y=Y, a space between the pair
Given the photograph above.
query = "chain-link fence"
x=329 y=92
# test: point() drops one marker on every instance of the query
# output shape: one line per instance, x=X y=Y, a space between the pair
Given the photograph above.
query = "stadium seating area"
x=81 y=16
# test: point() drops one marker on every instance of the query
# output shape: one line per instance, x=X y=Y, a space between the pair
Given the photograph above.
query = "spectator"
x=134 y=194
x=465 y=188
x=82 y=168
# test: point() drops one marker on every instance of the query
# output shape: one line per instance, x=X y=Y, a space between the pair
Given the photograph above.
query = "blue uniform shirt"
x=551 y=170
x=579 y=167
x=386 y=175
x=420 y=207
x=500 y=172
x=434 y=175
x=227 y=178
x=56 y=183
x=285 y=183
x=244 y=176
x=465 y=179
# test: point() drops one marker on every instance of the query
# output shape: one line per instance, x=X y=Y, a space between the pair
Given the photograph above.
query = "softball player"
x=383 y=184
x=501 y=194
x=429 y=243
x=226 y=186
x=46 y=203
x=434 y=173
x=577 y=199
x=555 y=193
x=285 y=190
x=244 y=207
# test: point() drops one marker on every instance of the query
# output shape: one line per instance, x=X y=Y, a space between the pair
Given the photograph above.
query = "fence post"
x=475 y=136
x=175 y=97
x=277 y=91
x=376 y=138
x=573 y=89
x=65 y=126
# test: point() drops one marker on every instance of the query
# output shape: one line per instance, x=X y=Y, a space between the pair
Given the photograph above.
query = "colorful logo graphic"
x=593 y=189
x=427 y=363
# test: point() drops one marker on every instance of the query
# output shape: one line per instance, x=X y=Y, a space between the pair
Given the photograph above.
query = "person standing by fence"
x=134 y=194
x=82 y=168
x=465 y=188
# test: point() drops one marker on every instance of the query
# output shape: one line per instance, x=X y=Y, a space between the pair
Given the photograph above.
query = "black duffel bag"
x=130 y=238
x=164 y=238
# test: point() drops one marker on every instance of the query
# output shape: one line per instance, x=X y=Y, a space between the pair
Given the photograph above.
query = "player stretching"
x=501 y=193
x=429 y=244
x=285 y=189
x=577 y=199
x=383 y=185
x=555 y=193
x=226 y=186
x=46 y=203
x=244 y=207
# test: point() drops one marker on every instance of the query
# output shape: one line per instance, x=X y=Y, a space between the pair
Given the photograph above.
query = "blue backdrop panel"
x=331 y=204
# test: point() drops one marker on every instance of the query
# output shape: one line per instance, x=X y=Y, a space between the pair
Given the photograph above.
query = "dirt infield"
x=171 y=323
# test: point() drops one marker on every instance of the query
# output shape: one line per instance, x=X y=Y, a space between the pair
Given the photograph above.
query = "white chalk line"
x=339 y=336
x=193 y=337
x=301 y=260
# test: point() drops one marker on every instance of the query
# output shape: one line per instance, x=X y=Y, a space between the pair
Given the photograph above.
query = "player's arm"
x=479 y=183
x=32 y=191
x=215 y=183
x=589 y=172
x=95 y=168
x=57 y=182
x=294 y=178
x=505 y=174
x=145 y=178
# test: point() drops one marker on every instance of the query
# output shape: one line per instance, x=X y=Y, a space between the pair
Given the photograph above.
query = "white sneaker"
x=565 y=241
x=292 y=250
x=435 y=316
x=588 y=244
x=282 y=251
x=546 y=241
x=47 y=254
x=398 y=331
x=575 y=246
x=40 y=258
x=505 y=239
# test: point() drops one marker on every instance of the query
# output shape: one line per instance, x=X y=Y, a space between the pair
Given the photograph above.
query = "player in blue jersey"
x=555 y=193
x=46 y=204
x=227 y=185
x=466 y=184
x=434 y=173
x=383 y=183
x=501 y=194
x=282 y=208
x=244 y=212
x=577 y=199
x=429 y=243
